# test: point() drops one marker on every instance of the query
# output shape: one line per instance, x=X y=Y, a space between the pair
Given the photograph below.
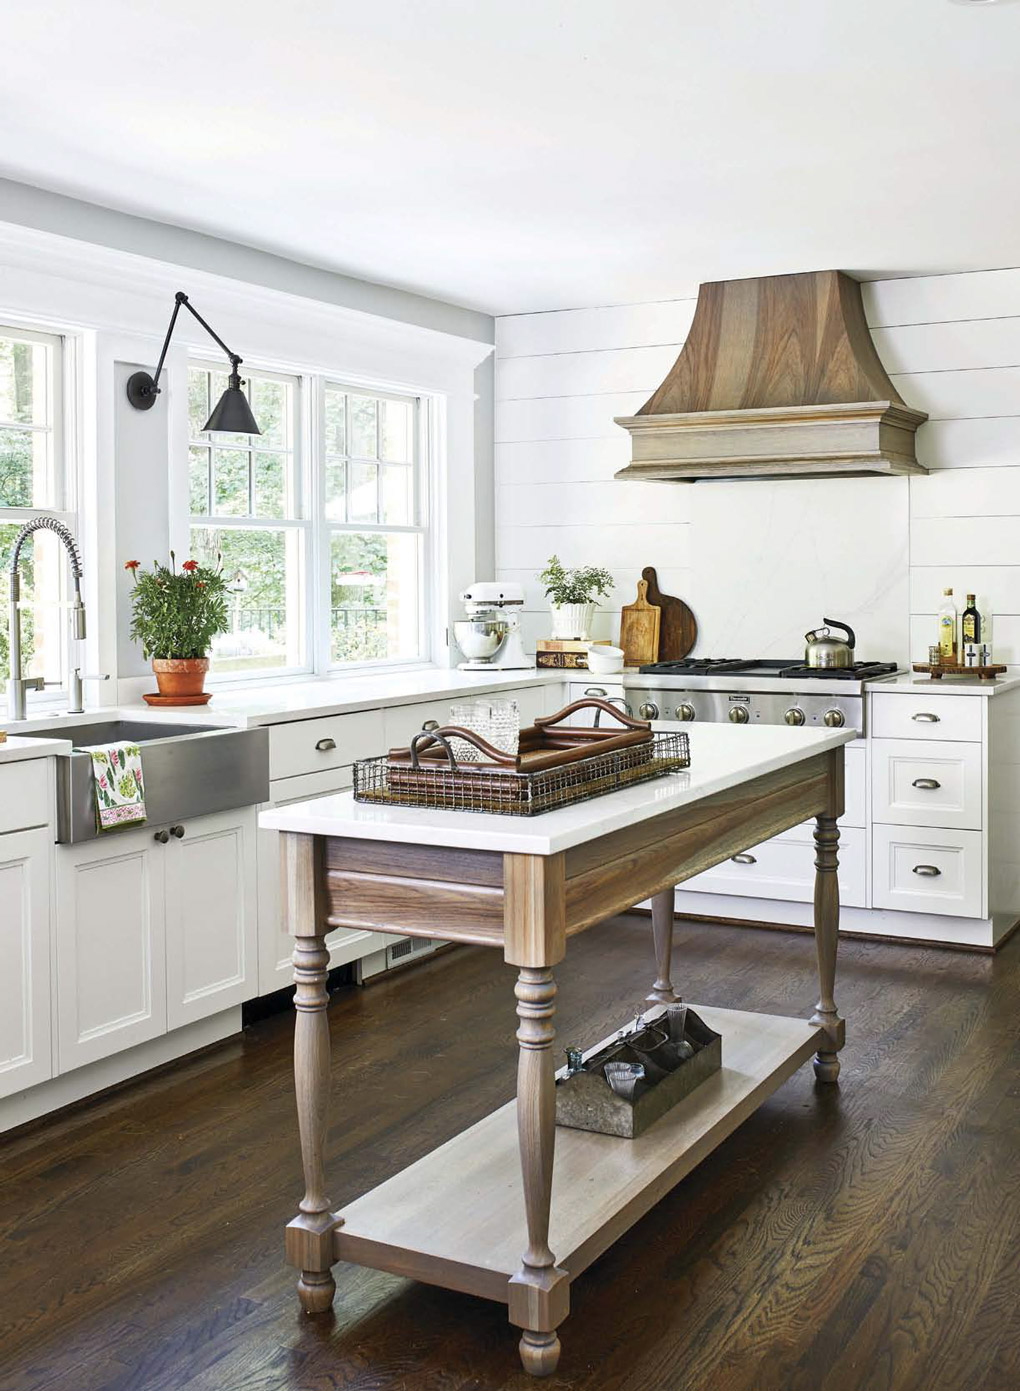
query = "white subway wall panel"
x=580 y=330
x=983 y=442
x=926 y=299
x=978 y=492
x=949 y=347
x=563 y=461
x=965 y=540
x=566 y=417
x=585 y=374
x=996 y=589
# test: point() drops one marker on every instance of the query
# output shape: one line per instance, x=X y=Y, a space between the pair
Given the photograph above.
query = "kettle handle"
x=851 y=640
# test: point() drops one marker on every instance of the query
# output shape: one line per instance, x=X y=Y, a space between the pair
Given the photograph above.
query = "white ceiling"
x=535 y=154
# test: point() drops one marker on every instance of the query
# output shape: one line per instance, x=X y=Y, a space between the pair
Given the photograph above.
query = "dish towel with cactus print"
x=117 y=780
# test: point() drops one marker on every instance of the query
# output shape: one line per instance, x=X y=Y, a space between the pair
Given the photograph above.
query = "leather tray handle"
x=591 y=703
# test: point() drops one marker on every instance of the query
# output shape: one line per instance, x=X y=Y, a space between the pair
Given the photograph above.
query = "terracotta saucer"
x=153 y=698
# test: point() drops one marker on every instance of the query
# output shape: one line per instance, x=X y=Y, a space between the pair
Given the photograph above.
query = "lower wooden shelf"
x=456 y=1217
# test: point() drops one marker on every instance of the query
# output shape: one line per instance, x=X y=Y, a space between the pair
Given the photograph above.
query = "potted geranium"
x=572 y=595
x=175 y=616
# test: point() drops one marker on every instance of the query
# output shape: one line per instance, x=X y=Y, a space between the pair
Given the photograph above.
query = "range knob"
x=685 y=711
x=648 y=711
x=834 y=718
x=794 y=716
x=738 y=714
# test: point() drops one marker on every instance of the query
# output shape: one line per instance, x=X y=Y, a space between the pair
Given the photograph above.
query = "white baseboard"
x=108 y=1072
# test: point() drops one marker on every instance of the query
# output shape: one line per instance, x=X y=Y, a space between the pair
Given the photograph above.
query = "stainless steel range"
x=754 y=692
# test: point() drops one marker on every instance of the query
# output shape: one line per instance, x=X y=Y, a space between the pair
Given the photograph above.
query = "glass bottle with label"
x=948 y=639
x=970 y=623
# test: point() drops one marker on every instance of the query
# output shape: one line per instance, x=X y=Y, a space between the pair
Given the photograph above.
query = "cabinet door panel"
x=111 y=977
x=25 y=1049
x=211 y=929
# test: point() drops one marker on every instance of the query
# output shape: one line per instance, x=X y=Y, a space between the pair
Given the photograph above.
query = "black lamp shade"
x=232 y=413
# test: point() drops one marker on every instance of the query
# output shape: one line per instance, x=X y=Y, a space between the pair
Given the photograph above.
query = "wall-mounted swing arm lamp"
x=232 y=412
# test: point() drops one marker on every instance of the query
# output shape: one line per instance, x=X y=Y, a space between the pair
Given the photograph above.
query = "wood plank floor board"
x=841 y=1239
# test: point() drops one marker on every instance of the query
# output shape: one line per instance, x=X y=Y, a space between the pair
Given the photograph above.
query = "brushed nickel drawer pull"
x=743 y=859
x=925 y=717
x=429 y=725
x=325 y=745
x=927 y=871
x=927 y=784
x=596 y=691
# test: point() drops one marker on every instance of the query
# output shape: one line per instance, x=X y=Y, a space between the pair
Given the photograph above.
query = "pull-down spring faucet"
x=17 y=685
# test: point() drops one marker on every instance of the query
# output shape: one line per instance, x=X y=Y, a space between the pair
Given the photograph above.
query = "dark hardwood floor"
x=843 y=1239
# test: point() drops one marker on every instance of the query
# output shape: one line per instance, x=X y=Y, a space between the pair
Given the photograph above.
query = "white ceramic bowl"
x=603 y=660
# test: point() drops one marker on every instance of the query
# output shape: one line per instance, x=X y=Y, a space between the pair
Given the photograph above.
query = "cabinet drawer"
x=784 y=868
x=25 y=794
x=315 y=746
x=921 y=869
x=924 y=716
x=920 y=782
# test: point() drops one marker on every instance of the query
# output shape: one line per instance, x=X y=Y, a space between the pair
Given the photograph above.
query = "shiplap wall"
x=760 y=560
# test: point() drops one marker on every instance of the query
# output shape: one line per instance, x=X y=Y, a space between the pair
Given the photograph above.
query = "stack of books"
x=569 y=654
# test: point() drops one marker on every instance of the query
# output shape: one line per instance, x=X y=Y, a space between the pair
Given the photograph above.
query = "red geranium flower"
x=132 y=564
x=190 y=566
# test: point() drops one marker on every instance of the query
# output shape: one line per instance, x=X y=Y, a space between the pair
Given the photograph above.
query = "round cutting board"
x=678 y=629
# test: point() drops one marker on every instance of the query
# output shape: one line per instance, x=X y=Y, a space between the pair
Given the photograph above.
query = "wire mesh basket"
x=507 y=788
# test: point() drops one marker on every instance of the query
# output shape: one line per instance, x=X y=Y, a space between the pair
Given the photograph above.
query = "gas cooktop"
x=793 y=670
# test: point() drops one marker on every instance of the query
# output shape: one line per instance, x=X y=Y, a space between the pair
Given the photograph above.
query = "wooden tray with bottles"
x=984 y=673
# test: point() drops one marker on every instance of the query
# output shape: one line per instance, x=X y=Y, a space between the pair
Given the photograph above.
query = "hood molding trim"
x=779 y=377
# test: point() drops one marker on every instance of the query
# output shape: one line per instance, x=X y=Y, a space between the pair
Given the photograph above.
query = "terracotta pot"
x=180 y=676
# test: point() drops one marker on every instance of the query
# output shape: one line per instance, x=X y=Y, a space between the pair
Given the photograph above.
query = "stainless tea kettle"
x=824 y=650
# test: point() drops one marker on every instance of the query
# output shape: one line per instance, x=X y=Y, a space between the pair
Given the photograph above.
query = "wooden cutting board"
x=639 y=629
x=678 y=629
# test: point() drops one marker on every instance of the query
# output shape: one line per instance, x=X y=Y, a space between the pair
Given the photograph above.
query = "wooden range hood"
x=778 y=378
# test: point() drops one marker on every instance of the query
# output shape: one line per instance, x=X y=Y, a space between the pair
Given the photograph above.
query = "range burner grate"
x=709 y=666
x=860 y=671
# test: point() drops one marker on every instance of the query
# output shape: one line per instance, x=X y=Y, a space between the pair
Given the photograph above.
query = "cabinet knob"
x=925 y=717
x=743 y=859
x=162 y=836
x=325 y=745
x=927 y=784
x=927 y=871
x=177 y=832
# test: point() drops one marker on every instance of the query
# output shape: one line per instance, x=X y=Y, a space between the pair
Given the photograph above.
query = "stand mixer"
x=490 y=636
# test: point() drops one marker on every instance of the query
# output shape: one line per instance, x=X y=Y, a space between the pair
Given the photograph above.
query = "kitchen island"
x=478 y=1214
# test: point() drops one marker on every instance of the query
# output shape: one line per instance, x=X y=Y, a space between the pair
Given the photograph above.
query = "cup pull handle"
x=325 y=745
x=743 y=859
x=927 y=871
x=927 y=784
x=429 y=725
x=925 y=717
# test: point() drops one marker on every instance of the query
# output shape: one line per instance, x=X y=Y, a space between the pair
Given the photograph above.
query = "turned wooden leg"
x=309 y=1238
x=539 y=1292
x=826 y=1062
x=662 y=935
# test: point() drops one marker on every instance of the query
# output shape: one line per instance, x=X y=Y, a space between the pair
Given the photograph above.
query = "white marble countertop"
x=15 y=748
x=305 y=700
x=722 y=755
x=911 y=682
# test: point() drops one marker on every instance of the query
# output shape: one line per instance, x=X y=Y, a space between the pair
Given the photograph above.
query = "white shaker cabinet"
x=111 y=946
x=211 y=915
x=155 y=928
x=25 y=1046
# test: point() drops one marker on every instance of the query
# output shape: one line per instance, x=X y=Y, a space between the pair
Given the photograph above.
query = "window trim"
x=310 y=481
x=63 y=480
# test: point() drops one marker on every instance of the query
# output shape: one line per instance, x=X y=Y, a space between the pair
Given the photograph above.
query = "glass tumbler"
x=504 y=725
x=473 y=715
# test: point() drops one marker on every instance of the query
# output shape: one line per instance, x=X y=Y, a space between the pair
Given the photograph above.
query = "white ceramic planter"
x=570 y=621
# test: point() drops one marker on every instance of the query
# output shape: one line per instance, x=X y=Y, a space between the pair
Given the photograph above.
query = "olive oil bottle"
x=970 y=623
x=948 y=638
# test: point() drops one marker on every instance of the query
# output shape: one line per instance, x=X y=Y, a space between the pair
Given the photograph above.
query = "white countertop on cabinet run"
x=15 y=748
x=722 y=755
x=911 y=682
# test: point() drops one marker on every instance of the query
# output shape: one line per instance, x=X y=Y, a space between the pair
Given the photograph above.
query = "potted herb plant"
x=572 y=595
x=175 y=616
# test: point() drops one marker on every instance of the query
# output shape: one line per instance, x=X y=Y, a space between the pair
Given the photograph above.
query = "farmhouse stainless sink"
x=189 y=770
